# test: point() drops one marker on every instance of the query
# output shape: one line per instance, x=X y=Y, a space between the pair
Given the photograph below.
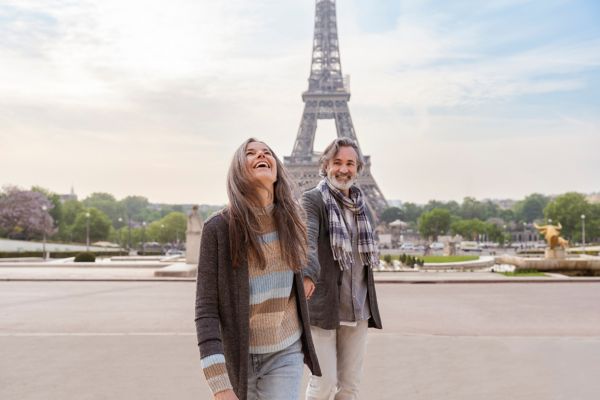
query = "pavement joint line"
x=372 y=335
x=67 y=334
x=379 y=282
x=473 y=336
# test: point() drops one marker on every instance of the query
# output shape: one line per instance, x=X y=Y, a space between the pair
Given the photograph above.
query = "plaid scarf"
x=338 y=233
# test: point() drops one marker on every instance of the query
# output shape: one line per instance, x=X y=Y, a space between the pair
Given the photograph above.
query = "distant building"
x=504 y=204
x=593 y=198
x=68 y=197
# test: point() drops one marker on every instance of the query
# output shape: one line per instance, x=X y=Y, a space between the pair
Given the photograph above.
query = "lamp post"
x=87 y=231
x=120 y=232
x=128 y=233
x=583 y=231
x=44 y=209
x=143 y=237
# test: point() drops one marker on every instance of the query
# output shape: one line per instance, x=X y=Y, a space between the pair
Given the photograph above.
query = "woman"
x=251 y=315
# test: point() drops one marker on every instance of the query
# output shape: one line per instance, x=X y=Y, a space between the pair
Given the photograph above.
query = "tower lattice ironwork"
x=327 y=98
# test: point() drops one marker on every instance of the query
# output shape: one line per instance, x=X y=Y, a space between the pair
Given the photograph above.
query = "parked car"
x=174 y=252
x=407 y=246
x=469 y=246
x=436 y=246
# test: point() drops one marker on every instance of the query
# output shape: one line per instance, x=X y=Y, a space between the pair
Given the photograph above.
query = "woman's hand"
x=309 y=287
x=226 y=395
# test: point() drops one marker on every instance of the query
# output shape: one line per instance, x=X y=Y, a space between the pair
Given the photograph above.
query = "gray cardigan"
x=325 y=271
x=223 y=307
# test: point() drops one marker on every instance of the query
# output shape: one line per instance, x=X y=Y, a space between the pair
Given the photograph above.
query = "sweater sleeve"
x=216 y=373
x=207 y=312
x=313 y=268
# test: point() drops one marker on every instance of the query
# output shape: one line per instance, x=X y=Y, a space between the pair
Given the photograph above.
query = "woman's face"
x=261 y=163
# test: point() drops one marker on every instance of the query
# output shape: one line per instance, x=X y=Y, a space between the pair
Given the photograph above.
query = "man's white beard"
x=341 y=185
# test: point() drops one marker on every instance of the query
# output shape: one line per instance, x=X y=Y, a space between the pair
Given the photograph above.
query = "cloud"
x=106 y=94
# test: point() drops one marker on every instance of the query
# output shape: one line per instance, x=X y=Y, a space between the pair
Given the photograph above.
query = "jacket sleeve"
x=313 y=268
x=207 y=313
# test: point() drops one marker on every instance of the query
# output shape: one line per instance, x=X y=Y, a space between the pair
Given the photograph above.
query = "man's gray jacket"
x=325 y=272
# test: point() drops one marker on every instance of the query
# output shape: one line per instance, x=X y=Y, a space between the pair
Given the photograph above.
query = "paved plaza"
x=136 y=340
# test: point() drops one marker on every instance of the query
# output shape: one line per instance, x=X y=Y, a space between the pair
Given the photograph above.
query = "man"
x=338 y=279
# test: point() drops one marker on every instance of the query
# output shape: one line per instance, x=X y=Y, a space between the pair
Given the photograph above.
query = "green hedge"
x=588 y=252
x=63 y=254
x=85 y=257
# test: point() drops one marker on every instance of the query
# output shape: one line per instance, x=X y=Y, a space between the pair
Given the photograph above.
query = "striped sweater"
x=274 y=322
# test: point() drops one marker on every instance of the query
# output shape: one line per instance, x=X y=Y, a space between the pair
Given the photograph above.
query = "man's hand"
x=226 y=395
x=309 y=287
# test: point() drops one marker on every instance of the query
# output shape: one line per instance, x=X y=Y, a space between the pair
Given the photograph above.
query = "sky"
x=494 y=99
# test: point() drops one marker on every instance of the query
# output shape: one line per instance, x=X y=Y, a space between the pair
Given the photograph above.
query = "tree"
x=56 y=212
x=71 y=208
x=137 y=208
x=99 y=225
x=531 y=207
x=451 y=206
x=168 y=229
x=567 y=209
x=411 y=211
x=469 y=228
x=106 y=203
x=592 y=224
x=496 y=234
x=391 y=214
x=434 y=222
x=22 y=214
x=134 y=206
x=472 y=208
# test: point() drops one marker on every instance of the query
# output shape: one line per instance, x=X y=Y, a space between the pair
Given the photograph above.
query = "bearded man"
x=338 y=280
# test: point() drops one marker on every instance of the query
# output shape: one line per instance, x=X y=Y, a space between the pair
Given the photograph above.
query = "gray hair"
x=332 y=149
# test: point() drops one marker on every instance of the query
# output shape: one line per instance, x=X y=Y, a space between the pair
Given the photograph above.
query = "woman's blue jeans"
x=276 y=376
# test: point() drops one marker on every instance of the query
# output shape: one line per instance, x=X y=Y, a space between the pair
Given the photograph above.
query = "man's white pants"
x=341 y=353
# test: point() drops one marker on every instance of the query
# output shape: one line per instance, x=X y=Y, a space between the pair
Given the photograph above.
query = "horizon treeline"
x=29 y=214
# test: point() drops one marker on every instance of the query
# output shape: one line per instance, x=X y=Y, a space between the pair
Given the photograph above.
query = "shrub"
x=387 y=258
x=85 y=257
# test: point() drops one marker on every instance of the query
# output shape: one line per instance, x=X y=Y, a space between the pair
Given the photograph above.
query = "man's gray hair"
x=333 y=148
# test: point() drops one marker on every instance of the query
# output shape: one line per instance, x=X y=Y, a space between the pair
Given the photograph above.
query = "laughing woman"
x=251 y=315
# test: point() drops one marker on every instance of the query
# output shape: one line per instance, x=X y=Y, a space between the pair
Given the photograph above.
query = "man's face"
x=342 y=168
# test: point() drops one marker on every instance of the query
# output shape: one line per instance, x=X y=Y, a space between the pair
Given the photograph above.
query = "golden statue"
x=552 y=235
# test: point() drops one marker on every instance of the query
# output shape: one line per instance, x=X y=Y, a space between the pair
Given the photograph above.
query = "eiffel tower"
x=327 y=98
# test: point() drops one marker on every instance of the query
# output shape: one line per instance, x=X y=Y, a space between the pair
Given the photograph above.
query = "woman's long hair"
x=244 y=228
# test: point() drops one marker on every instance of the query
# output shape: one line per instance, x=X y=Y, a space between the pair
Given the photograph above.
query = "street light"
x=162 y=229
x=87 y=231
x=120 y=232
x=583 y=231
x=128 y=233
x=143 y=238
x=44 y=209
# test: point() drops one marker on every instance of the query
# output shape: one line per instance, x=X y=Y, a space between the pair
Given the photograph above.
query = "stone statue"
x=192 y=236
x=556 y=244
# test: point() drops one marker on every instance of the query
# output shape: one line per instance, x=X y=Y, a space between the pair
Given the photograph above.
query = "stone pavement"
x=146 y=272
x=136 y=340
